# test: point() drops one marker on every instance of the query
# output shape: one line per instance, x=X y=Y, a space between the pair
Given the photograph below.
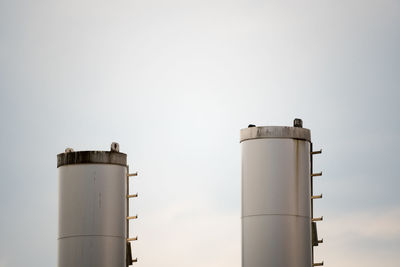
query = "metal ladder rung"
x=316 y=174
x=316 y=197
x=316 y=152
x=132 y=239
x=317 y=219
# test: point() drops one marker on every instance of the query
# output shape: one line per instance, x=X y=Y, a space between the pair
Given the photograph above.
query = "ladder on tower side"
x=129 y=259
x=315 y=240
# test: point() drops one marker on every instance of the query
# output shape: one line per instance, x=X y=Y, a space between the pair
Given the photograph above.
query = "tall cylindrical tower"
x=276 y=193
x=92 y=208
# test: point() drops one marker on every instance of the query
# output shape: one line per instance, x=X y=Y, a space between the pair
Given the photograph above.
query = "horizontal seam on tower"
x=276 y=214
x=69 y=236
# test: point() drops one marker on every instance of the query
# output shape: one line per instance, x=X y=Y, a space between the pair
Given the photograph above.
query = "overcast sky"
x=173 y=82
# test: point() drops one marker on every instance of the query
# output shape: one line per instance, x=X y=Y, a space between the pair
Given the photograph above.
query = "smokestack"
x=93 y=208
x=277 y=196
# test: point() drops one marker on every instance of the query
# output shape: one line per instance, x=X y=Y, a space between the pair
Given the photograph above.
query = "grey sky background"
x=173 y=82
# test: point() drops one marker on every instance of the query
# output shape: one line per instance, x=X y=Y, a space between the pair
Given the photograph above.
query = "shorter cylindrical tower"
x=92 y=208
x=276 y=192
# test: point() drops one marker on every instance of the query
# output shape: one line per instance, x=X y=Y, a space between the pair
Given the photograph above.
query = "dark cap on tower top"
x=71 y=157
x=298 y=123
x=261 y=132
